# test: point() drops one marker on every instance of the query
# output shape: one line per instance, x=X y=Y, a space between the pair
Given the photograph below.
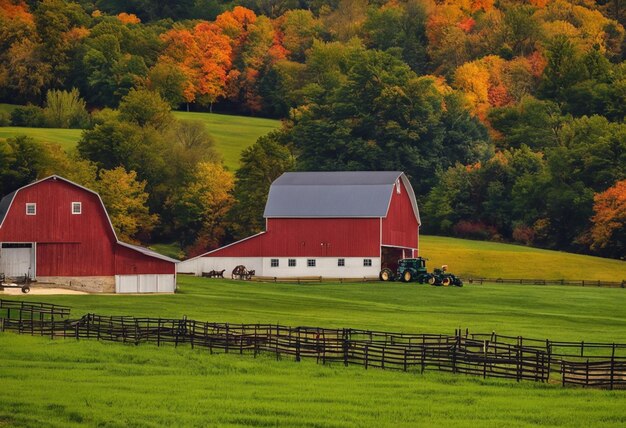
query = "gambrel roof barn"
x=332 y=224
x=59 y=232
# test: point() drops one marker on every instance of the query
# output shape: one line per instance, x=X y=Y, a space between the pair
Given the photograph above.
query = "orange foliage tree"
x=203 y=56
x=608 y=232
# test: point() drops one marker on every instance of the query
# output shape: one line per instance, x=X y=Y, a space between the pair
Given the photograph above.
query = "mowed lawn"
x=66 y=383
x=495 y=260
x=232 y=133
x=66 y=138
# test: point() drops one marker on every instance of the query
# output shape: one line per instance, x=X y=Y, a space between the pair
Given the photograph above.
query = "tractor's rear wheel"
x=446 y=281
x=407 y=276
x=386 y=275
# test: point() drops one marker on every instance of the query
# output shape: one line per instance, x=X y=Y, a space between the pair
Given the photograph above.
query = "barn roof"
x=337 y=194
x=5 y=205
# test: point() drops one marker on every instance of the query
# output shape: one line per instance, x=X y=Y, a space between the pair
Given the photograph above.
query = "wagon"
x=22 y=282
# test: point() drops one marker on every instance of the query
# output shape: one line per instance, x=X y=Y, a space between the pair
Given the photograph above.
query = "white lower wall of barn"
x=146 y=283
x=324 y=266
x=207 y=264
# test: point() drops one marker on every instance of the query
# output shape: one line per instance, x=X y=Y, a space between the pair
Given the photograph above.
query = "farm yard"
x=115 y=384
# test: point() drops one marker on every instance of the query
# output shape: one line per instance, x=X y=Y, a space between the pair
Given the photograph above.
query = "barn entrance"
x=17 y=259
x=391 y=255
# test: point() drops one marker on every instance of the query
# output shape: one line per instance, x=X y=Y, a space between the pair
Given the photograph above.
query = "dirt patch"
x=38 y=291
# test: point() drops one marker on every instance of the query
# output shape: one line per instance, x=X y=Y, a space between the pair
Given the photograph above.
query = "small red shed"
x=59 y=232
x=333 y=224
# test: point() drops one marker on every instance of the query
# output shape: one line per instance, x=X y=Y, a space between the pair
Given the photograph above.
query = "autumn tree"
x=608 y=231
x=126 y=201
x=201 y=207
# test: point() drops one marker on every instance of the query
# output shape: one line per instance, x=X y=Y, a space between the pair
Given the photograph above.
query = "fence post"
x=404 y=359
x=346 y=344
x=563 y=372
x=485 y=347
x=587 y=374
x=227 y=339
x=612 y=366
x=367 y=352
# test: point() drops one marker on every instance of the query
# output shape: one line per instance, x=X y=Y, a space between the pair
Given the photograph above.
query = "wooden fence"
x=574 y=282
x=472 y=354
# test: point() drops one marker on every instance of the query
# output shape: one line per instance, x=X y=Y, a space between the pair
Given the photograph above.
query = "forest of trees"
x=507 y=116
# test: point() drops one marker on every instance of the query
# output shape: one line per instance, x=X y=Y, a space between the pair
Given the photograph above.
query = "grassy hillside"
x=494 y=260
x=69 y=383
x=66 y=138
x=232 y=133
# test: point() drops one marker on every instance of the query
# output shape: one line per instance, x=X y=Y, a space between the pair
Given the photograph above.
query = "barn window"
x=31 y=209
x=274 y=263
x=367 y=262
x=292 y=262
x=341 y=262
x=77 y=208
x=310 y=262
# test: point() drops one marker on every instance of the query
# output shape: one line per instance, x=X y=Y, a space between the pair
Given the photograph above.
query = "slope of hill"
x=496 y=260
x=66 y=138
x=232 y=134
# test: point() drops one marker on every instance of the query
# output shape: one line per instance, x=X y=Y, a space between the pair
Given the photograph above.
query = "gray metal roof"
x=5 y=203
x=334 y=194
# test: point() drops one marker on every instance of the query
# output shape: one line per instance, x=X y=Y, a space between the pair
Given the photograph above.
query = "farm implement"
x=22 y=282
x=410 y=270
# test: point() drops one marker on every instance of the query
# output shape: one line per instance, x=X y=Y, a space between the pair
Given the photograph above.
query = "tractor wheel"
x=432 y=280
x=446 y=281
x=26 y=289
x=386 y=275
x=407 y=276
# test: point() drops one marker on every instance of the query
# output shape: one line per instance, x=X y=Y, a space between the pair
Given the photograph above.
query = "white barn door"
x=146 y=283
x=17 y=259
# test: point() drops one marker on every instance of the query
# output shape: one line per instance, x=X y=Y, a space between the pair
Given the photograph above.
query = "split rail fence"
x=486 y=355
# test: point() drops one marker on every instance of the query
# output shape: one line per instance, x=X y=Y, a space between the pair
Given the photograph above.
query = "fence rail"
x=573 y=282
x=486 y=355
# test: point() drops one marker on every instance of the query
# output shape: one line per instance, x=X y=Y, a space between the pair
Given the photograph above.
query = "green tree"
x=65 y=109
x=261 y=164
x=145 y=108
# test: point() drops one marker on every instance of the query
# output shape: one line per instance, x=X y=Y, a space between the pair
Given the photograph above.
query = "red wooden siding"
x=400 y=227
x=72 y=244
x=314 y=237
x=131 y=262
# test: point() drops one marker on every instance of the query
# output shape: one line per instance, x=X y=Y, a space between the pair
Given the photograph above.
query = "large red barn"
x=59 y=232
x=331 y=224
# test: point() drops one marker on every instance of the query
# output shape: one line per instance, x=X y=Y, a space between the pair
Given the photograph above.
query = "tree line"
x=507 y=116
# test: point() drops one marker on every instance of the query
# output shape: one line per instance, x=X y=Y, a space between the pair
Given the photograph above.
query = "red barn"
x=59 y=232
x=331 y=224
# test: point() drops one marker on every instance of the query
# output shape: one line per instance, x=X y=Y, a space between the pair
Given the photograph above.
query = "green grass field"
x=232 y=133
x=66 y=138
x=65 y=383
x=495 y=260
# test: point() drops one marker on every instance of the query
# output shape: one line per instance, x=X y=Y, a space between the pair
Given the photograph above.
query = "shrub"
x=65 y=110
x=5 y=118
x=474 y=230
x=524 y=234
x=30 y=115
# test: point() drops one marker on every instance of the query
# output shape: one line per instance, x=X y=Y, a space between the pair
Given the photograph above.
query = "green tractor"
x=408 y=270
x=415 y=270
x=441 y=277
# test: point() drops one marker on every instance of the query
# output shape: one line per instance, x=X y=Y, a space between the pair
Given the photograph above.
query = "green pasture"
x=66 y=138
x=69 y=383
x=495 y=260
x=232 y=133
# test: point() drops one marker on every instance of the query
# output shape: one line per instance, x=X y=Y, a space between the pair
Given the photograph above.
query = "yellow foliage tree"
x=125 y=199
